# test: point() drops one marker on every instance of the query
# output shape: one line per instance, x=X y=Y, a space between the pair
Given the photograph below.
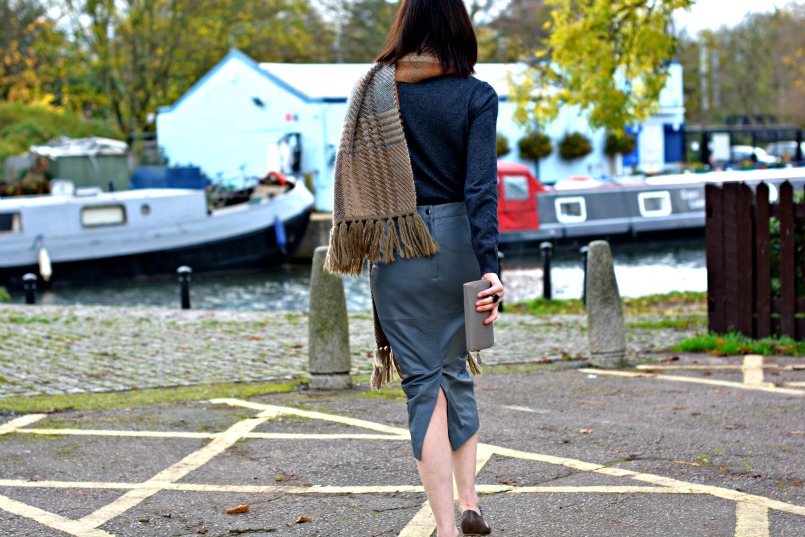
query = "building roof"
x=333 y=82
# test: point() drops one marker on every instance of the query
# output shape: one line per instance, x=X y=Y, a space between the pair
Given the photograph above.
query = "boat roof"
x=18 y=202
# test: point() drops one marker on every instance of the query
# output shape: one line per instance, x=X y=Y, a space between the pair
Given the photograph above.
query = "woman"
x=416 y=194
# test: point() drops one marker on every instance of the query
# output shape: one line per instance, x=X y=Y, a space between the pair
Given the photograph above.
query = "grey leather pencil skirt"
x=420 y=306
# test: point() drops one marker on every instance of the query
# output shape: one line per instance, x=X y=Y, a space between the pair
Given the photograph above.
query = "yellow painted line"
x=23 y=421
x=550 y=459
x=600 y=489
x=485 y=452
x=178 y=470
x=683 y=367
x=280 y=410
x=175 y=434
x=422 y=525
x=719 y=492
x=710 y=382
x=753 y=370
x=751 y=520
x=51 y=520
x=134 y=434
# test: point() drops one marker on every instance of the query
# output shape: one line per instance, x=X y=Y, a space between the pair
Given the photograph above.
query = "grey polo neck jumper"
x=450 y=126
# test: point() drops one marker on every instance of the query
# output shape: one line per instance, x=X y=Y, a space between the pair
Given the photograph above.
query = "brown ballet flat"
x=472 y=523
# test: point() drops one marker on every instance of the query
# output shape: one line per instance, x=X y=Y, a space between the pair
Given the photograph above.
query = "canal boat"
x=581 y=207
x=90 y=235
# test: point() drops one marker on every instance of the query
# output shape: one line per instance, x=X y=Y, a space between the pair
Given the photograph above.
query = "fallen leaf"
x=298 y=346
x=688 y=463
x=675 y=407
x=722 y=392
x=724 y=468
x=797 y=432
x=735 y=427
x=585 y=431
x=202 y=530
x=238 y=510
x=670 y=359
x=302 y=519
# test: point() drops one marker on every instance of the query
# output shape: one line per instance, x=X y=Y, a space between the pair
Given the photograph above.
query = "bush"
x=502 y=145
x=4 y=295
x=619 y=143
x=535 y=146
x=22 y=126
x=575 y=145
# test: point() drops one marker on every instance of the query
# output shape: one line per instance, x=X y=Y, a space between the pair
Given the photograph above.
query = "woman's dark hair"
x=442 y=27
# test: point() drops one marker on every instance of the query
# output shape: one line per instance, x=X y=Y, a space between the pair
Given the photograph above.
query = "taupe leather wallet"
x=479 y=335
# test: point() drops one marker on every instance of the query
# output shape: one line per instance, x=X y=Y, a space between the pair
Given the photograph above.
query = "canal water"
x=641 y=268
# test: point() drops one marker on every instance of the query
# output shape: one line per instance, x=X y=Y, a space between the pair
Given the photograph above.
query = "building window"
x=103 y=215
x=10 y=223
x=571 y=210
x=515 y=187
x=653 y=204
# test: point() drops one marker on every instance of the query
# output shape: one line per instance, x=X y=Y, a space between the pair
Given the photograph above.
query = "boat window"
x=515 y=187
x=10 y=223
x=654 y=203
x=103 y=215
x=571 y=210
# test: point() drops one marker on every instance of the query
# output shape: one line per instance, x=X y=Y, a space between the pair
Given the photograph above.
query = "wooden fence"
x=751 y=277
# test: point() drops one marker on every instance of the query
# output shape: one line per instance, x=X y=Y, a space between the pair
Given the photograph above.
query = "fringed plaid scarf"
x=375 y=215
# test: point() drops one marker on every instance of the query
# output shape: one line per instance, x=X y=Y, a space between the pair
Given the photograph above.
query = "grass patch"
x=540 y=306
x=670 y=323
x=139 y=398
x=663 y=303
x=24 y=319
x=737 y=344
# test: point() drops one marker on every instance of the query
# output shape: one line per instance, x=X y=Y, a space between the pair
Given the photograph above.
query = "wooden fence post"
x=763 y=307
x=788 y=284
x=714 y=232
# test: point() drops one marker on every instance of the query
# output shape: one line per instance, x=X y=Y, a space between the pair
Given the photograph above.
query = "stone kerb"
x=605 y=327
x=328 y=329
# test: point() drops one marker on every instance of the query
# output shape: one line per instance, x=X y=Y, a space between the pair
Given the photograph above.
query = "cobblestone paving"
x=51 y=349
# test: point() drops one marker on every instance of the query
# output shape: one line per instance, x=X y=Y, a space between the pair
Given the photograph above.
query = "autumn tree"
x=29 y=50
x=609 y=57
x=141 y=54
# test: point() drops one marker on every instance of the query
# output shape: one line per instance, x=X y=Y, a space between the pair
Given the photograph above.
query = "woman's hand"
x=489 y=300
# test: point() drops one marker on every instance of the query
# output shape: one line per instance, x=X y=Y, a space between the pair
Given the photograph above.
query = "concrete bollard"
x=328 y=329
x=605 y=328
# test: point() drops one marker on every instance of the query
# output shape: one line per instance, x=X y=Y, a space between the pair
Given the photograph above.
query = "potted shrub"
x=575 y=145
x=618 y=143
x=535 y=146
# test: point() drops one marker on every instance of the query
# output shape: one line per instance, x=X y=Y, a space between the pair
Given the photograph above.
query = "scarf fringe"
x=382 y=372
x=474 y=364
x=351 y=242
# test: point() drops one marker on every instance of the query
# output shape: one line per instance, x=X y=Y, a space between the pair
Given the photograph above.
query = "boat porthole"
x=145 y=209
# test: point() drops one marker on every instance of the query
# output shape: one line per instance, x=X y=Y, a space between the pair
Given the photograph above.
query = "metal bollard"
x=29 y=284
x=584 y=250
x=547 y=253
x=500 y=277
x=184 y=282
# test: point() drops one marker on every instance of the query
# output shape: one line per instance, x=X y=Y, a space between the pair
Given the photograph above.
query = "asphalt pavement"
x=695 y=446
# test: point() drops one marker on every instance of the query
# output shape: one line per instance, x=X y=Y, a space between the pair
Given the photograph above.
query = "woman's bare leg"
x=464 y=463
x=436 y=470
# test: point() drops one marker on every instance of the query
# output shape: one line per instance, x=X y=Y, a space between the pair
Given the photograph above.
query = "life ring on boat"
x=277 y=177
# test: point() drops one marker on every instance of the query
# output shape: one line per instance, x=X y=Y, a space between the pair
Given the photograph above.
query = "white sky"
x=712 y=14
